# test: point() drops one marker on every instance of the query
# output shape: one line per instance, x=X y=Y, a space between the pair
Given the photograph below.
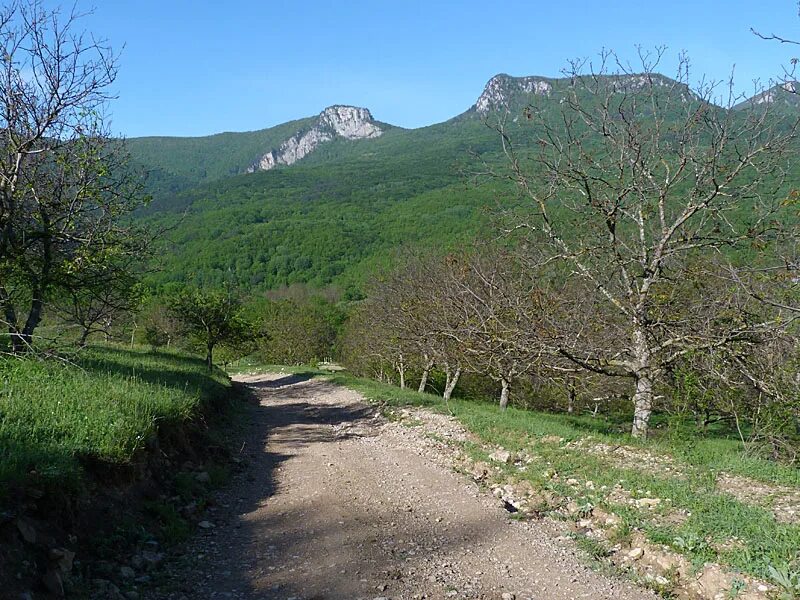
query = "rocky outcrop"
x=786 y=92
x=502 y=88
x=348 y=122
x=504 y=92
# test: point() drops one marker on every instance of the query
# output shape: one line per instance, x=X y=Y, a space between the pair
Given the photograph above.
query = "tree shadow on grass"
x=164 y=368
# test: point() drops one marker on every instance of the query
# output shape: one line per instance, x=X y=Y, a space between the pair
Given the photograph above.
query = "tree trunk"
x=84 y=337
x=643 y=377
x=504 y=393
x=210 y=356
x=642 y=405
x=451 y=384
x=10 y=314
x=401 y=370
x=425 y=374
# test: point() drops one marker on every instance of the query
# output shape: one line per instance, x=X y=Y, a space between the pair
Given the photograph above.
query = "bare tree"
x=633 y=181
x=499 y=316
x=63 y=185
x=97 y=301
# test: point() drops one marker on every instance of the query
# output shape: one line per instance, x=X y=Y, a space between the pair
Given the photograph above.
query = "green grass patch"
x=104 y=407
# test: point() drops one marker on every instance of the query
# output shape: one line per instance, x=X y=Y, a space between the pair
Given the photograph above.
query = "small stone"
x=503 y=456
x=127 y=573
x=648 y=502
x=205 y=525
x=636 y=554
x=63 y=559
x=26 y=530
x=508 y=596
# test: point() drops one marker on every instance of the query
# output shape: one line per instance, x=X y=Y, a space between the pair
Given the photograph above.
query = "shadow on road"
x=326 y=546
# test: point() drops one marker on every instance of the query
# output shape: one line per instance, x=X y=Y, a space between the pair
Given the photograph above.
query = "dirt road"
x=339 y=503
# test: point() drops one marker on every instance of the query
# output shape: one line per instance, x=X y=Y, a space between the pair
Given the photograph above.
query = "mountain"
x=177 y=163
x=335 y=122
x=324 y=199
x=784 y=97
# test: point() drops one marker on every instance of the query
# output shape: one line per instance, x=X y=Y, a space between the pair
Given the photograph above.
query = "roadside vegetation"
x=103 y=408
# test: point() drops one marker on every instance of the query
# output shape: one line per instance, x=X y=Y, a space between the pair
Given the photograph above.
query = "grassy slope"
x=103 y=408
x=714 y=517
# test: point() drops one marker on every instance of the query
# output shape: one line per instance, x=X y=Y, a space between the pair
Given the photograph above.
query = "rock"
x=712 y=582
x=127 y=573
x=502 y=87
x=635 y=554
x=508 y=596
x=150 y=557
x=552 y=439
x=202 y=477
x=348 y=122
x=26 y=530
x=63 y=559
x=53 y=583
x=479 y=471
x=648 y=502
x=108 y=590
x=502 y=456
x=205 y=525
x=572 y=481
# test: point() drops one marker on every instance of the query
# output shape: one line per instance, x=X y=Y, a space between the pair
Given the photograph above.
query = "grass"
x=105 y=407
x=712 y=518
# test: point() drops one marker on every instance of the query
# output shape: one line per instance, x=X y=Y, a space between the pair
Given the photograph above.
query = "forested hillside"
x=342 y=209
x=325 y=219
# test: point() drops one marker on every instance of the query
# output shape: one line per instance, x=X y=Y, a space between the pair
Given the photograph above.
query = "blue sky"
x=200 y=67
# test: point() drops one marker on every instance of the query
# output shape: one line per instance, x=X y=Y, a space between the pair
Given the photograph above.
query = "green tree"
x=211 y=318
x=64 y=188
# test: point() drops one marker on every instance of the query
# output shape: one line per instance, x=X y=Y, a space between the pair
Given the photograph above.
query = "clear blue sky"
x=200 y=67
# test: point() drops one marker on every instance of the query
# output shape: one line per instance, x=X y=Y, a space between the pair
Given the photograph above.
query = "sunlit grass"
x=104 y=407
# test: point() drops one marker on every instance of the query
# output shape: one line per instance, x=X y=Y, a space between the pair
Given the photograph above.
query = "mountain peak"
x=337 y=121
x=785 y=94
x=350 y=122
x=501 y=88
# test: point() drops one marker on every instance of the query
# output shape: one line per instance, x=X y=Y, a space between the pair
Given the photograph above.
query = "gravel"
x=338 y=503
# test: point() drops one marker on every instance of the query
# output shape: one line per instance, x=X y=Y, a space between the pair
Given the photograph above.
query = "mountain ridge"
x=176 y=163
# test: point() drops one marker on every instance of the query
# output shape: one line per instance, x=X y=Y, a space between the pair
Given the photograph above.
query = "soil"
x=341 y=503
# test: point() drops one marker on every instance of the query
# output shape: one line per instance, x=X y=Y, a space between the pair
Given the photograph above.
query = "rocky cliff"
x=502 y=88
x=348 y=122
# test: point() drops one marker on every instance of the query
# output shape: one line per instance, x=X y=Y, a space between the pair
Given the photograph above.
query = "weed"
x=788 y=579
